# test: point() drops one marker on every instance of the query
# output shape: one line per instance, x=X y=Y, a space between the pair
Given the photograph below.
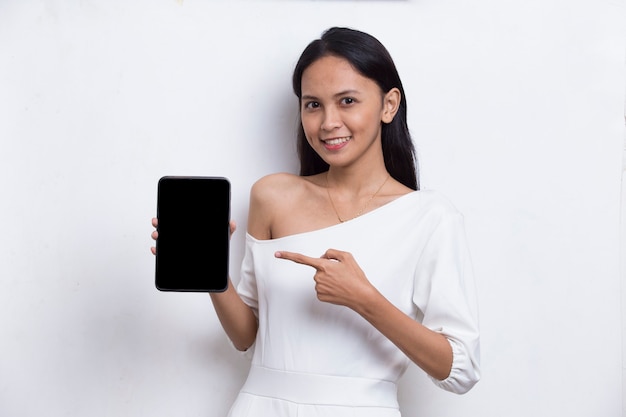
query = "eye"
x=347 y=101
x=310 y=105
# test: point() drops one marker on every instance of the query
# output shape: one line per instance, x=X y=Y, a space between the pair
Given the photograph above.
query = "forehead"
x=332 y=74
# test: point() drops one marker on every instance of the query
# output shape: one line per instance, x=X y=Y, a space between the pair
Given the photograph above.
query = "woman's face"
x=341 y=111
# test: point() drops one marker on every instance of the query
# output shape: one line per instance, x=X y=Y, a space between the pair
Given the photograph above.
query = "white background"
x=517 y=110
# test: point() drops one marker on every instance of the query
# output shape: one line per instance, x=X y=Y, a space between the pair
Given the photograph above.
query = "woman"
x=330 y=335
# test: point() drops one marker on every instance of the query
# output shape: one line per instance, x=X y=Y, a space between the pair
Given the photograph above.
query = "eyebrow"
x=339 y=94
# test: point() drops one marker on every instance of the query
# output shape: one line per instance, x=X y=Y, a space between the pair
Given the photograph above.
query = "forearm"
x=430 y=350
x=236 y=317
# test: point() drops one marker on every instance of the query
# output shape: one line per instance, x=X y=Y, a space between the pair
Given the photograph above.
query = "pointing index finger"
x=300 y=259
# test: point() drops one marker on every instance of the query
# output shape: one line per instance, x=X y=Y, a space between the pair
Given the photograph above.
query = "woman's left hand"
x=338 y=277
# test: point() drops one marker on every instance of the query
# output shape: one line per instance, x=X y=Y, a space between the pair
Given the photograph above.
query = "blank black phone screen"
x=193 y=224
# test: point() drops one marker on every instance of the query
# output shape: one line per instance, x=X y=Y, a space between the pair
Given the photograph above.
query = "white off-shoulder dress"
x=315 y=359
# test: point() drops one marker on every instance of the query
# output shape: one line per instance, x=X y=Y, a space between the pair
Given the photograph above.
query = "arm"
x=237 y=318
x=431 y=351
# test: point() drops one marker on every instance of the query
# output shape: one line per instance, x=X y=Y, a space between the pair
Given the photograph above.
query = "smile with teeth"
x=337 y=141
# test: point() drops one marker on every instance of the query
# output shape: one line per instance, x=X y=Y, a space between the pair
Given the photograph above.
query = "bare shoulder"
x=279 y=188
x=272 y=197
x=270 y=185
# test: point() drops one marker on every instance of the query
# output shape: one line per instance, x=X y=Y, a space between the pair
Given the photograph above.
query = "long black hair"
x=372 y=60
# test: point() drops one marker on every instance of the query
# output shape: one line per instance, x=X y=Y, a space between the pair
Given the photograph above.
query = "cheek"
x=370 y=120
x=362 y=121
x=309 y=126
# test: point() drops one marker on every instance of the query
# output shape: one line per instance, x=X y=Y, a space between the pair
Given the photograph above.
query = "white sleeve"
x=445 y=294
x=247 y=286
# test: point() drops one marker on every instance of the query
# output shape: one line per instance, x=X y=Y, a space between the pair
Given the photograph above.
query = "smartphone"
x=192 y=250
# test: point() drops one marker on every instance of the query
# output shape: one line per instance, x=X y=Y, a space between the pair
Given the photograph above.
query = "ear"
x=391 y=104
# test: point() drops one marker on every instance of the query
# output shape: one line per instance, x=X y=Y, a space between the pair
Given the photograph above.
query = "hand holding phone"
x=193 y=234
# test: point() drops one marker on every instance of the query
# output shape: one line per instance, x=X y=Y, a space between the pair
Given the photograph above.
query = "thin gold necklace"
x=364 y=206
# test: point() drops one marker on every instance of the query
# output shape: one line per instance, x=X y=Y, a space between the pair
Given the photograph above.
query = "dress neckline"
x=344 y=224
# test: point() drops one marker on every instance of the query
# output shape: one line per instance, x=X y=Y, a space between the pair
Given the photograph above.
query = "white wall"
x=517 y=110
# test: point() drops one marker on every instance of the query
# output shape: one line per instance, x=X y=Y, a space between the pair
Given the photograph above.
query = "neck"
x=352 y=182
x=352 y=200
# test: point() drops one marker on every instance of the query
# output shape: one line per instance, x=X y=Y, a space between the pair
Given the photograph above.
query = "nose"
x=332 y=119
